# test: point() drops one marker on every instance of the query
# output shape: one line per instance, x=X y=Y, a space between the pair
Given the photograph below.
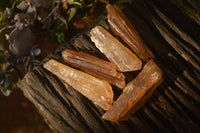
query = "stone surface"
x=96 y=90
x=95 y=66
x=114 y=50
x=122 y=27
x=135 y=94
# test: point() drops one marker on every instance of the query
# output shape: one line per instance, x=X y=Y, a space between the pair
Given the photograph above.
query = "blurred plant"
x=6 y=73
x=22 y=21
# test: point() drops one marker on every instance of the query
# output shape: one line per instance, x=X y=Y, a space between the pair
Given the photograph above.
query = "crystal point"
x=97 y=67
x=96 y=90
x=135 y=93
x=114 y=50
x=122 y=27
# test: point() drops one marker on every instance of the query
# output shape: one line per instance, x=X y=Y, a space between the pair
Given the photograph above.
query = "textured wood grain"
x=175 y=104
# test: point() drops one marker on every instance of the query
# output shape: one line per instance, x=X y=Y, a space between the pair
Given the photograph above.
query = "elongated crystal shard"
x=96 y=90
x=122 y=27
x=97 y=67
x=114 y=50
x=136 y=93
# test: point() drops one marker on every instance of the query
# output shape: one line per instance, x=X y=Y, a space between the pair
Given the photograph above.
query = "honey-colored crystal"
x=122 y=27
x=96 y=90
x=97 y=67
x=135 y=94
x=114 y=50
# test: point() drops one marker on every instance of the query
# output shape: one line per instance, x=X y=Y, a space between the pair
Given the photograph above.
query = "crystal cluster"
x=94 y=81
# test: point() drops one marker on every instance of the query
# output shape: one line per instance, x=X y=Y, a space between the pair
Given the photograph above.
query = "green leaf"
x=74 y=3
x=88 y=5
x=71 y=12
x=7 y=36
x=60 y=37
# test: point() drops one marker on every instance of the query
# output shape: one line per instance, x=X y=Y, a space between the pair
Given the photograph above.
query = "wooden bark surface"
x=174 y=106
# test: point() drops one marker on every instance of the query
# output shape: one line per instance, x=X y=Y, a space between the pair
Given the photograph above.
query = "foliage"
x=6 y=72
x=21 y=21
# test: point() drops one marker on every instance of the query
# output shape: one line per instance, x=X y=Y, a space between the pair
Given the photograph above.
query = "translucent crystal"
x=114 y=50
x=96 y=90
x=122 y=27
x=135 y=93
x=97 y=67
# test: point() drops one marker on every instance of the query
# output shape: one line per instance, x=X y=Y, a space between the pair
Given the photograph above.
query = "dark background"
x=18 y=115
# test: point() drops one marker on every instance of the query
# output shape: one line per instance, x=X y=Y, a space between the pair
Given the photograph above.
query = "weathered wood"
x=190 y=8
x=175 y=105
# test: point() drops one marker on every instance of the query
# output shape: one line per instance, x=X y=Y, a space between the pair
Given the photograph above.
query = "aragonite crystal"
x=114 y=50
x=135 y=93
x=97 y=67
x=96 y=90
x=122 y=27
